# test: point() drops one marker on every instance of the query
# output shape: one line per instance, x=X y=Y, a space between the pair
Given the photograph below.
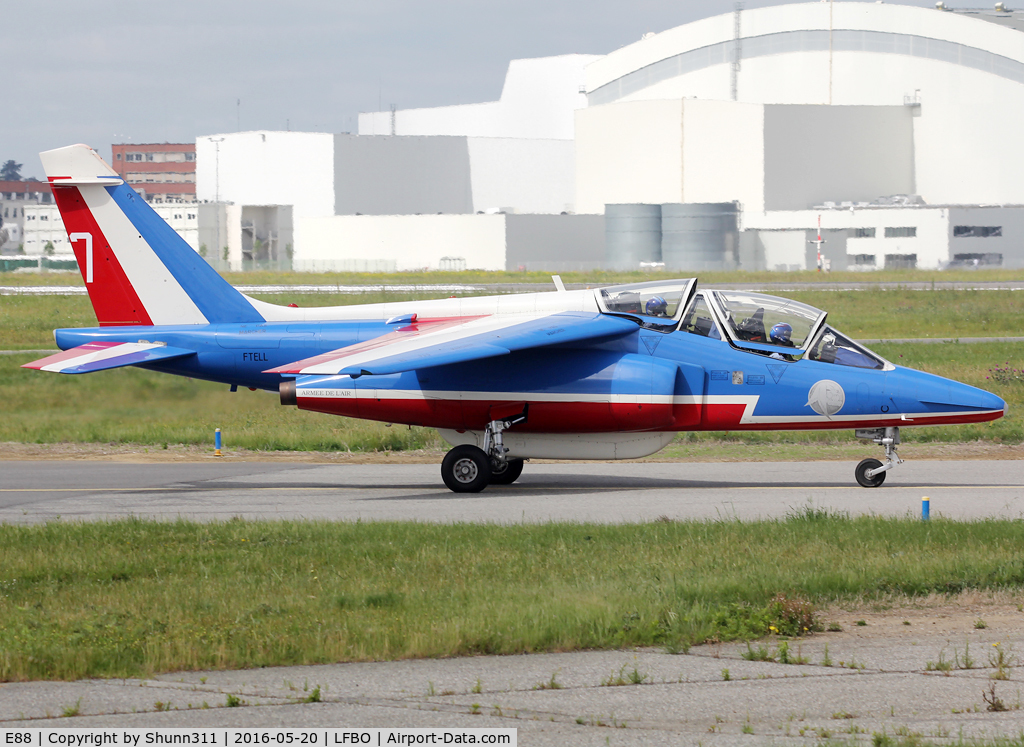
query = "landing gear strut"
x=870 y=473
x=467 y=469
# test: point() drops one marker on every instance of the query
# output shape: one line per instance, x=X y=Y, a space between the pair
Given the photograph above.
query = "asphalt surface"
x=866 y=681
x=35 y=491
x=869 y=679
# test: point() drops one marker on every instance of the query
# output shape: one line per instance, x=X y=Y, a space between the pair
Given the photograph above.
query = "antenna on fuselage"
x=559 y=285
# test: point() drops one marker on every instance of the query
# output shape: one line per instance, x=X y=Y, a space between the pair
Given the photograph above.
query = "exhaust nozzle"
x=288 y=396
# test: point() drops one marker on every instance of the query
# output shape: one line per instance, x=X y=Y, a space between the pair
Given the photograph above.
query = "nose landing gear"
x=870 y=473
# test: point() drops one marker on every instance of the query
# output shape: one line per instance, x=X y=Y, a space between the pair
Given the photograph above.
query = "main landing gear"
x=871 y=472
x=468 y=469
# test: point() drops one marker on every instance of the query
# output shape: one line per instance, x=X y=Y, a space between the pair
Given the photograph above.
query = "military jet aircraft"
x=611 y=373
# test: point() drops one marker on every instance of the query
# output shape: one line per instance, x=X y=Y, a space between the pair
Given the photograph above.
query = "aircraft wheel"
x=862 y=473
x=509 y=474
x=466 y=469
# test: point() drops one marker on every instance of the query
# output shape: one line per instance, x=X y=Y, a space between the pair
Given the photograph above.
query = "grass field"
x=27 y=322
x=131 y=598
x=595 y=277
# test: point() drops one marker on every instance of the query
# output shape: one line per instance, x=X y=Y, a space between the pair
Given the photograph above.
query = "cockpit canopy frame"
x=747 y=318
x=636 y=299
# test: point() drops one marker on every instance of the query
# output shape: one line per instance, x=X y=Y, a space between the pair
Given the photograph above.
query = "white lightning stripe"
x=416 y=394
x=99 y=355
x=749 y=402
x=165 y=300
x=420 y=341
x=508 y=304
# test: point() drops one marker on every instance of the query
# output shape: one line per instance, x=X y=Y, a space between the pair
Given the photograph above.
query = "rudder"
x=136 y=268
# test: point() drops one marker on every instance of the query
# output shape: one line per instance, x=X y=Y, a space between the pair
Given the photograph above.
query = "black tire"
x=512 y=469
x=862 y=473
x=466 y=469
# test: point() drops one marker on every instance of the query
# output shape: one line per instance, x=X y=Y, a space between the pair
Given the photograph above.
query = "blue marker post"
x=216 y=443
x=926 y=509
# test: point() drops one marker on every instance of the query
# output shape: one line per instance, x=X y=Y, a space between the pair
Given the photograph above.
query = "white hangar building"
x=811 y=109
x=718 y=143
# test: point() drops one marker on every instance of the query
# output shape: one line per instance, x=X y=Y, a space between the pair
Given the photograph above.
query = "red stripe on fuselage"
x=594 y=417
x=113 y=298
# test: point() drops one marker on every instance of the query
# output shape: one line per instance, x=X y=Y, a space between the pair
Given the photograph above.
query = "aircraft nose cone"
x=936 y=391
x=963 y=395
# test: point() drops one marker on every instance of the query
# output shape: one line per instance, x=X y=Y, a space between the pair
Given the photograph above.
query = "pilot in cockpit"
x=782 y=334
x=656 y=306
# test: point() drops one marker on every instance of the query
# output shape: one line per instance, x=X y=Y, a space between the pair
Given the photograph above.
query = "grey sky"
x=109 y=71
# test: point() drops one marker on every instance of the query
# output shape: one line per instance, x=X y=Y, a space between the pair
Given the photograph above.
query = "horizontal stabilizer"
x=443 y=342
x=99 y=356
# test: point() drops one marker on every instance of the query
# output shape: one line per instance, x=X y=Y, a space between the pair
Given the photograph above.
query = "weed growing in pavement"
x=942 y=665
x=826 y=660
x=992 y=701
x=622 y=677
x=1002 y=659
x=551 y=684
x=967 y=662
x=761 y=653
x=73 y=710
x=785 y=657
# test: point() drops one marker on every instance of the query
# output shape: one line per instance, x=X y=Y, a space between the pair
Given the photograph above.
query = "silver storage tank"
x=699 y=236
x=632 y=235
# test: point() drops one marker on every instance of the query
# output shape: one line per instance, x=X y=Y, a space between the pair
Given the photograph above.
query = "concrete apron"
x=885 y=676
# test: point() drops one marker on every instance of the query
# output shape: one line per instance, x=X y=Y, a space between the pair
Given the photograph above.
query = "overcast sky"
x=108 y=71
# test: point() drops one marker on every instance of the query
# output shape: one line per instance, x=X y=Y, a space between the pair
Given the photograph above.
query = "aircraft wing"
x=423 y=344
x=99 y=356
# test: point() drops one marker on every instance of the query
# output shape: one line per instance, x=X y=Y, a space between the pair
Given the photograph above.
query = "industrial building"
x=14 y=197
x=721 y=143
x=44 y=232
x=160 y=172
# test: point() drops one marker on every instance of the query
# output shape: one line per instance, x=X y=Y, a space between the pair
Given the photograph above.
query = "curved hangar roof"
x=785 y=53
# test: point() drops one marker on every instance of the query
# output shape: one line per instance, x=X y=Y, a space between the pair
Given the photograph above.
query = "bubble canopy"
x=750 y=317
x=664 y=299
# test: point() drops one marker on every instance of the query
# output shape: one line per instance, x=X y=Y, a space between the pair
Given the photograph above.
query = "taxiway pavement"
x=869 y=679
x=36 y=491
x=853 y=684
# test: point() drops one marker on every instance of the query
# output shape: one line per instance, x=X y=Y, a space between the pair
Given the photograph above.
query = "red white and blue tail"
x=137 y=269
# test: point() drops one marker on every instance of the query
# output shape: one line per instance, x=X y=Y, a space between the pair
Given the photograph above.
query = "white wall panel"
x=723 y=153
x=268 y=168
x=412 y=242
x=537 y=102
x=630 y=152
x=531 y=176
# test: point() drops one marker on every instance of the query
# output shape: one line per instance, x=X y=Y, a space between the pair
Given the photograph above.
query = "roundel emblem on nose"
x=826 y=397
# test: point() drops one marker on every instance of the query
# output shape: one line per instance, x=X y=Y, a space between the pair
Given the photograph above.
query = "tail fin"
x=137 y=269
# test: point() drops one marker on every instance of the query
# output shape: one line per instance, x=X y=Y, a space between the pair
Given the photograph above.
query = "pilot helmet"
x=656 y=306
x=781 y=333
